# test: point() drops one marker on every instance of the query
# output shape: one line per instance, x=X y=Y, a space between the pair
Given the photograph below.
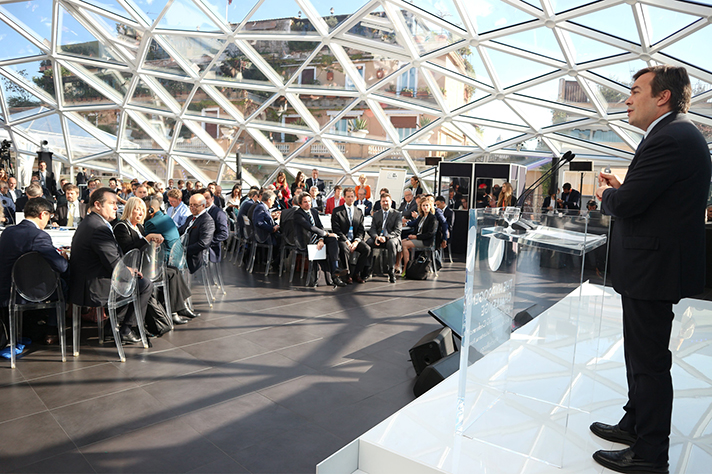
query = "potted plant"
x=406 y=92
x=391 y=89
x=423 y=93
x=358 y=128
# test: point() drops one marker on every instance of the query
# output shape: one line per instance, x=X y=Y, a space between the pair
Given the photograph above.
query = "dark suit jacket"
x=393 y=224
x=573 y=203
x=303 y=229
x=200 y=236
x=262 y=222
x=60 y=215
x=286 y=225
x=127 y=238
x=95 y=253
x=20 y=203
x=443 y=225
x=429 y=230
x=50 y=182
x=340 y=223
x=368 y=206
x=407 y=208
x=222 y=232
x=18 y=240
x=658 y=244
x=319 y=184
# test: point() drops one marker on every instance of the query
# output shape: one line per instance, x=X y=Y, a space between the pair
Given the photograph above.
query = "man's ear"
x=664 y=98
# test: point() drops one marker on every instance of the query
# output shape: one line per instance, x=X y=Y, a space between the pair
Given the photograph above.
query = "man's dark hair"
x=338 y=186
x=302 y=197
x=673 y=79
x=203 y=191
x=566 y=186
x=99 y=194
x=440 y=199
x=35 y=207
x=252 y=193
x=180 y=181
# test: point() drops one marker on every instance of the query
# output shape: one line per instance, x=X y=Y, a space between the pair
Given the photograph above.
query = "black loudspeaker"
x=431 y=348
x=436 y=373
x=581 y=166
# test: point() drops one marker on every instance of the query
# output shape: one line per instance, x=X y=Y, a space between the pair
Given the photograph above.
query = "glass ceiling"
x=162 y=89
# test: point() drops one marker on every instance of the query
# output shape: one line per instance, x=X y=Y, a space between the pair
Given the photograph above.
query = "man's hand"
x=275 y=228
x=443 y=244
x=609 y=179
x=380 y=239
x=158 y=238
x=333 y=235
x=600 y=190
x=320 y=245
x=352 y=246
x=414 y=214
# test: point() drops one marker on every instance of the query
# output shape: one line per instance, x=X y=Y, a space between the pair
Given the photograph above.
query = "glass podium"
x=522 y=309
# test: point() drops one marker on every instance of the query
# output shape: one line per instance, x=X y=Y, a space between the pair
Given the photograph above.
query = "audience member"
x=46 y=178
x=199 y=229
x=385 y=233
x=91 y=186
x=409 y=206
x=347 y=224
x=14 y=192
x=506 y=196
x=33 y=191
x=570 y=199
x=315 y=181
x=363 y=201
x=218 y=200
x=415 y=185
x=334 y=201
x=316 y=199
x=222 y=231
x=454 y=199
x=550 y=202
x=72 y=212
x=362 y=185
x=7 y=204
x=281 y=183
x=60 y=196
x=299 y=182
x=95 y=253
x=177 y=209
x=449 y=219
x=187 y=192
x=377 y=204
x=235 y=199
x=426 y=227
x=265 y=227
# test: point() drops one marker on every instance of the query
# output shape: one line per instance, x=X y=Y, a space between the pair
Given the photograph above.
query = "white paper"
x=315 y=254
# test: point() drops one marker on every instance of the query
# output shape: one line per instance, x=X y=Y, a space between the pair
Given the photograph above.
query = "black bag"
x=4 y=340
x=158 y=322
x=418 y=268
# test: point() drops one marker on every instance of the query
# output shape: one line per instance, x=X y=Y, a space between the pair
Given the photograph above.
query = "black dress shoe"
x=186 y=313
x=130 y=338
x=178 y=319
x=391 y=277
x=613 y=433
x=358 y=279
x=626 y=461
x=337 y=281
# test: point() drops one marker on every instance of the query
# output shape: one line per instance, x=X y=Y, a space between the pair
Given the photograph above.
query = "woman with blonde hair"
x=426 y=229
x=362 y=184
x=506 y=196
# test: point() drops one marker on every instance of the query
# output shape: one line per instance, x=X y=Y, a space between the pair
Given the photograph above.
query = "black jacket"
x=340 y=223
x=428 y=231
x=200 y=236
x=303 y=229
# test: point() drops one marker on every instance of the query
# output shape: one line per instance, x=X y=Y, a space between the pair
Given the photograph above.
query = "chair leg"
x=449 y=252
x=167 y=299
x=253 y=256
x=13 y=335
x=206 y=285
x=115 y=331
x=269 y=259
x=61 y=329
x=140 y=320
x=100 y=324
x=292 y=264
x=282 y=251
x=215 y=266
x=76 y=328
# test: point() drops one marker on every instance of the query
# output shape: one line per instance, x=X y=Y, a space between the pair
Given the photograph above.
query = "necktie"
x=383 y=225
x=314 y=237
x=70 y=216
x=351 y=224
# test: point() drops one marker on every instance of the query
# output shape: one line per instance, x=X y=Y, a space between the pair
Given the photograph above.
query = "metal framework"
x=175 y=88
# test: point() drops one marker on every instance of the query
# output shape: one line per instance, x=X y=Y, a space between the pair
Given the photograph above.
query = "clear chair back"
x=152 y=260
x=34 y=278
x=177 y=258
x=122 y=278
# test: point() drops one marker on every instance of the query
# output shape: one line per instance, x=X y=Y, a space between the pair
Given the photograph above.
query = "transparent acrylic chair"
x=124 y=291
x=178 y=259
x=34 y=280
x=153 y=267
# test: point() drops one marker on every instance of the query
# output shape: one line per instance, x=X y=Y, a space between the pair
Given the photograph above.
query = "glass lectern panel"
x=530 y=278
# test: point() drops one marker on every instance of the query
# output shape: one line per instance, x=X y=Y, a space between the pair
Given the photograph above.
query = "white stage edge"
x=421 y=439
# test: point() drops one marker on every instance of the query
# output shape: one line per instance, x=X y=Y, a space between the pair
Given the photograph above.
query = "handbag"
x=418 y=268
x=157 y=320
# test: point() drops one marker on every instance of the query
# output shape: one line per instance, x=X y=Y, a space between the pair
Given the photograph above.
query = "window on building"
x=349 y=83
x=405 y=125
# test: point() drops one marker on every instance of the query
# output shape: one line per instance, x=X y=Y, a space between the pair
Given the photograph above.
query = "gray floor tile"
x=31 y=439
x=153 y=365
x=18 y=400
x=223 y=350
x=70 y=463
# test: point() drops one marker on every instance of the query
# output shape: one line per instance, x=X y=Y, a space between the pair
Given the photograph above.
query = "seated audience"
x=197 y=232
x=385 y=233
x=8 y=205
x=363 y=201
x=448 y=219
x=72 y=212
x=218 y=200
x=95 y=253
x=222 y=231
x=426 y=228
x=377 y=204
x=266 y=229
x=409 y=206
x=177 y=209
x=281 y=184
x=33 y=191
x=334 y=201
x=316 y=200
x=550 y=202
x=14 y=192
x=235 y=197
x=299 y=182
x=347 y=224
x=362 y=185
x=310 y=230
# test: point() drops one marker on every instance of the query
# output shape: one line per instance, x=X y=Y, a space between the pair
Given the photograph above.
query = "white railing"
x=283 y=148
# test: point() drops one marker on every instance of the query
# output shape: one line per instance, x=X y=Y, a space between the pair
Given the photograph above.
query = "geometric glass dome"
x=175 y=88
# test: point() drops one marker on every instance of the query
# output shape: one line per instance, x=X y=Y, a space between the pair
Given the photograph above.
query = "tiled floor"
x=272 y=379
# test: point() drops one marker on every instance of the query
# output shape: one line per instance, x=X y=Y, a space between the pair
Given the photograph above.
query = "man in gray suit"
x=385 y=232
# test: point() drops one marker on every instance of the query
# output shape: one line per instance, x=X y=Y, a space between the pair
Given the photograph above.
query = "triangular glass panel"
x=188 y=141
x=212 y=129
x=616 y=21
x=334 y=13
x=699 y=86
x=541 y=117
x=621 y=73
x=465 y=61
x=234 y=9
x=76 y=91
x=491 y=16
x=456 y=92
x=185 y=15
x=144 y=96
x=408 y=126
x=688 y=49
x=586 y=49
x=37 y=75
x=203 y=104
x=15 y=45
x=21 y=102
x=75 y=40
x=443 y=9
x=151 y=8
x=49 y=126
x=233 y=65
x=25 y=16
x=663 y=23
x=409 y=86
x=427 y=35
x=104 y=120
x=637 y=137
x=497 y=111
x=599 y=135
x=314 y=74
x=375 y=26
x=82 y=142
x=135 y=137
x=158 y=59
x=260 y=170
x=126 y=33
x=274 y=113
x=111 y=6
x=611 y=99
x=198 y=51
x=538 y=40
x=246 y=101
x=514 y=70
x=564 y=5
x=178 y=90
x=117 y=80
x=290 y=19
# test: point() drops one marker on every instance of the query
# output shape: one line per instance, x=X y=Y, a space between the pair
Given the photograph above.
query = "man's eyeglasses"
x=195 y=205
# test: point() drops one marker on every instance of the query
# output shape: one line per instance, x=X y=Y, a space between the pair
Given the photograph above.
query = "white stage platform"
x=421 y=438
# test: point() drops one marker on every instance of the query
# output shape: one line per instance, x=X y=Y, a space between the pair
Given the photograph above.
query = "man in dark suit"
x=362 y=201
x=315 y=181
x=657 y=257
x=60 y=196
x=72 y=212
x=245 y=206
x=385 y=232
x=445 y=217
x=199 y=229
x=222 y=231
x=265 y=227
x=46 y=178
x=310 y=230
x=13 y=191
x=8 y=204
x=316 y=200
x=218 y=199
x=33 y=191
x=95 y=253
x=408 y=206
x=570 y=200
x=347 y=224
